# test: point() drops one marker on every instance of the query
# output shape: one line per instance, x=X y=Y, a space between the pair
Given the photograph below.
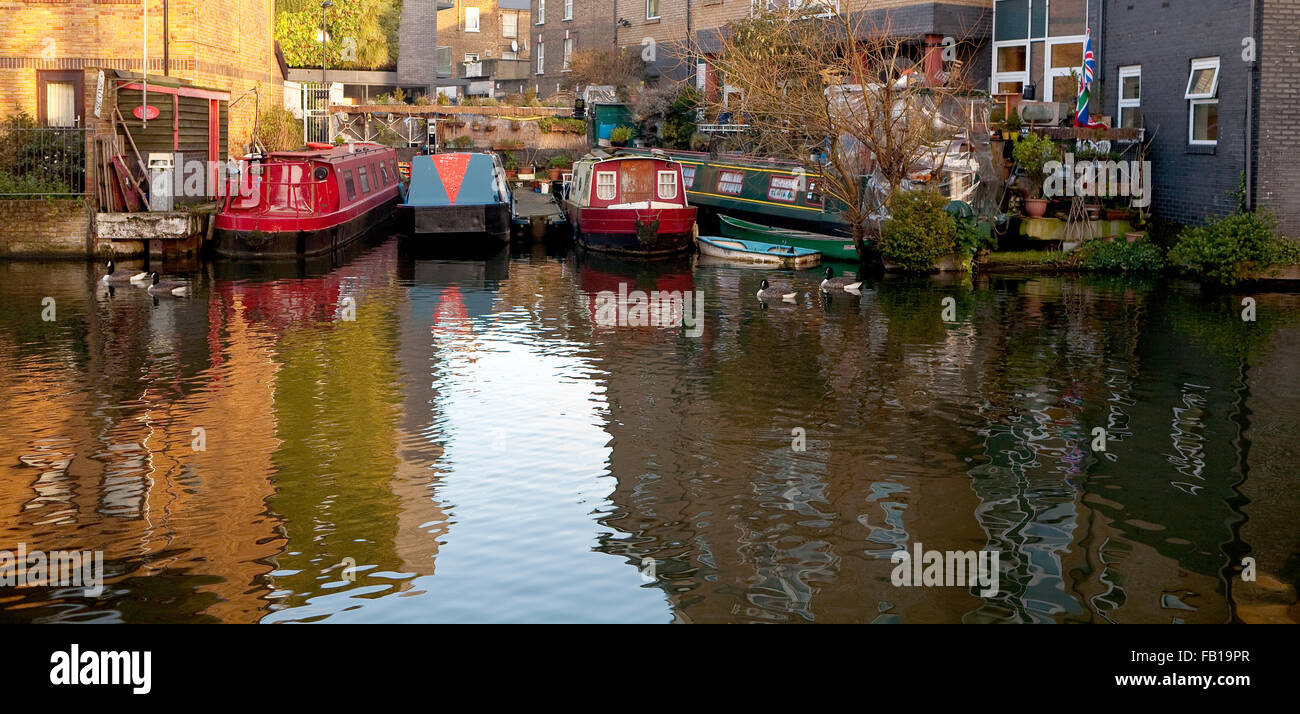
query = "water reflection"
x=387 y=437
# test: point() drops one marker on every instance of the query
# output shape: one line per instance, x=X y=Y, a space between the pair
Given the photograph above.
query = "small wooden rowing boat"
x=750 y=251
x=832 y=247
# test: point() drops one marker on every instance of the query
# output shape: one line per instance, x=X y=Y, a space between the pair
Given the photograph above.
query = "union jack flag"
x=1081 y=117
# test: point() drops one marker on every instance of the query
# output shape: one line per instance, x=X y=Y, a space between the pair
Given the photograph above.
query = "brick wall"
x=1190 y=183
x=1279 y=95
x=417 y=58
x=592 y=27
x=221 y=44
x=489 y=42
x=44 y=228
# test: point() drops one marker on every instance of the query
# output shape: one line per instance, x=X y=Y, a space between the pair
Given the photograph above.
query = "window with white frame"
x=652 y=9
x=606 y=186
x=667 y=189
x=541 y=12
x=1128 y=114
x=568 y=53
x=1039 y=42
x=688 y=175
x=568 y=9
x=732 y=182
x=471 y=19
x=1203 y=102
x=541 y=56
x=509 y=24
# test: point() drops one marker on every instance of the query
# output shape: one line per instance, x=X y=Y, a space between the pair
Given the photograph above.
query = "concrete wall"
x=45 y=228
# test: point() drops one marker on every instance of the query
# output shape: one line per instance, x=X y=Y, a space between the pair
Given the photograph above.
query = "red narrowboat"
x=309 y=202
x=634 y=205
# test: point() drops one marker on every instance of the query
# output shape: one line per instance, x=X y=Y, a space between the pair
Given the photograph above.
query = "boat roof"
x=334 y=152
x=458 y=178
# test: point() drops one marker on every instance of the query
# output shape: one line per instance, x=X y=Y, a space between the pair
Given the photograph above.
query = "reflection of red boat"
x=308 y=202
x=634 y=205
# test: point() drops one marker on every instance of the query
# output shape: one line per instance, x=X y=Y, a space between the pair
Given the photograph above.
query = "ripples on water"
x=474 y=447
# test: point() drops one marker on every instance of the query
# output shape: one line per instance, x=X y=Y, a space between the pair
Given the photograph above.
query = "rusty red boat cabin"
x=632 y=205
x=309 y=202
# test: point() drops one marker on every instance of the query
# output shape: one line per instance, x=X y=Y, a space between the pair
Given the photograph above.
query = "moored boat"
x=632 y=205
x=457 y=201
x=305 y=203
x=757 y=252
x=831 y=247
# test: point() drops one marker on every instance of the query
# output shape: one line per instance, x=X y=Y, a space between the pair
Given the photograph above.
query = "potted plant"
x=621 y=135
x=557 y=165
x=512 y=165
x=1033 y=151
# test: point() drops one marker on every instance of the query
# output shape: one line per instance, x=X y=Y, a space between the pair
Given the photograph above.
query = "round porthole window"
x=321 y=173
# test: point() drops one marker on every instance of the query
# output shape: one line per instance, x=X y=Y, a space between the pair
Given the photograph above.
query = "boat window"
x=688 y=175
x=375 y=172
x=351 y=187
x=365 y=182
x=783 y=188
x=731 y=182
x=606 y=186
x=383 y=172
x=667 y=188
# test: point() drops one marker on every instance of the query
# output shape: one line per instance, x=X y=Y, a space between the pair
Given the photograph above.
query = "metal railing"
x=42 y=162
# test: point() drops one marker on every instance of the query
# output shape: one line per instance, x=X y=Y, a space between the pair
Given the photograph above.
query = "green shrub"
x=1141 y=256
x=1232 y=249
x=550 y=124
x=1032 y=151
x=559 y=162
x=460 y=142
x=919 y=231
x=621 y=134
x=968 y=238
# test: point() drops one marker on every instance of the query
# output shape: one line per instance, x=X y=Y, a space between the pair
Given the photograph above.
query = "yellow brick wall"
x=220 y=44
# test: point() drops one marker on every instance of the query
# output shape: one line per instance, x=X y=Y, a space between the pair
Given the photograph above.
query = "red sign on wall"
x=145 y=112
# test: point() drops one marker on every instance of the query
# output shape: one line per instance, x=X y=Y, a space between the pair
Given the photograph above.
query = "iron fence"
x=42 y=162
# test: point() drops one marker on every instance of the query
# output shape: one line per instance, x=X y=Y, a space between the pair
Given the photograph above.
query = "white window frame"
x=1022 y=76
x=541 y=57
x=567 y=55
x=477 y=24
x=612 y=185
x=659 y=184
x=568 y=10
x=1123 y=104
x=1050 y=73
x=723 y=178
x=1196 y=99
x=541 y=14
x=471 y=57
x=512 y=32
x=657 y=10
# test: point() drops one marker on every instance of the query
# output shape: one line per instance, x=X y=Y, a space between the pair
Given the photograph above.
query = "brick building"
x=562 y=27
x=483 y=47
x=221 y=44
x=1176 y=68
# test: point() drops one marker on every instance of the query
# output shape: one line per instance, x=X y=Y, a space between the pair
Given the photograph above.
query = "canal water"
x=402 y=439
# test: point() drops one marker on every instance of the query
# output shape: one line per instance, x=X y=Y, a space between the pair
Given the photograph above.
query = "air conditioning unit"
x=1044 y=113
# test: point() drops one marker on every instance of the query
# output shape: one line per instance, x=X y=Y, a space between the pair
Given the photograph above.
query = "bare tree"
x=620 y=67
x=833 y=88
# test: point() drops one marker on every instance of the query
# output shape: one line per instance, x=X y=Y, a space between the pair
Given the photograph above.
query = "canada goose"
x=832 y=283
x=768 y=292
x=168 y=288
x=116 y=278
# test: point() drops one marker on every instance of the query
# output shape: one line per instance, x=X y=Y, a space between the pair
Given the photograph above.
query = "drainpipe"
x=166 y=42
x=1251 y=72
x=690 y=42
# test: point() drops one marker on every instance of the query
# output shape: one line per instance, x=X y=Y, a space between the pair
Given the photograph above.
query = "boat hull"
x=804 y=259
x=251 y=243
x=491 y=222
x=831 y=247
x=631 y=231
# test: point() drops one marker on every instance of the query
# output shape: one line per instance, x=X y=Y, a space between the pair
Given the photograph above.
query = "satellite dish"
x=514 y=45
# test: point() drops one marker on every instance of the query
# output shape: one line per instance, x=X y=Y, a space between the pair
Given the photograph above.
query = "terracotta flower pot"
x=555 y=174
x=1035 y=207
